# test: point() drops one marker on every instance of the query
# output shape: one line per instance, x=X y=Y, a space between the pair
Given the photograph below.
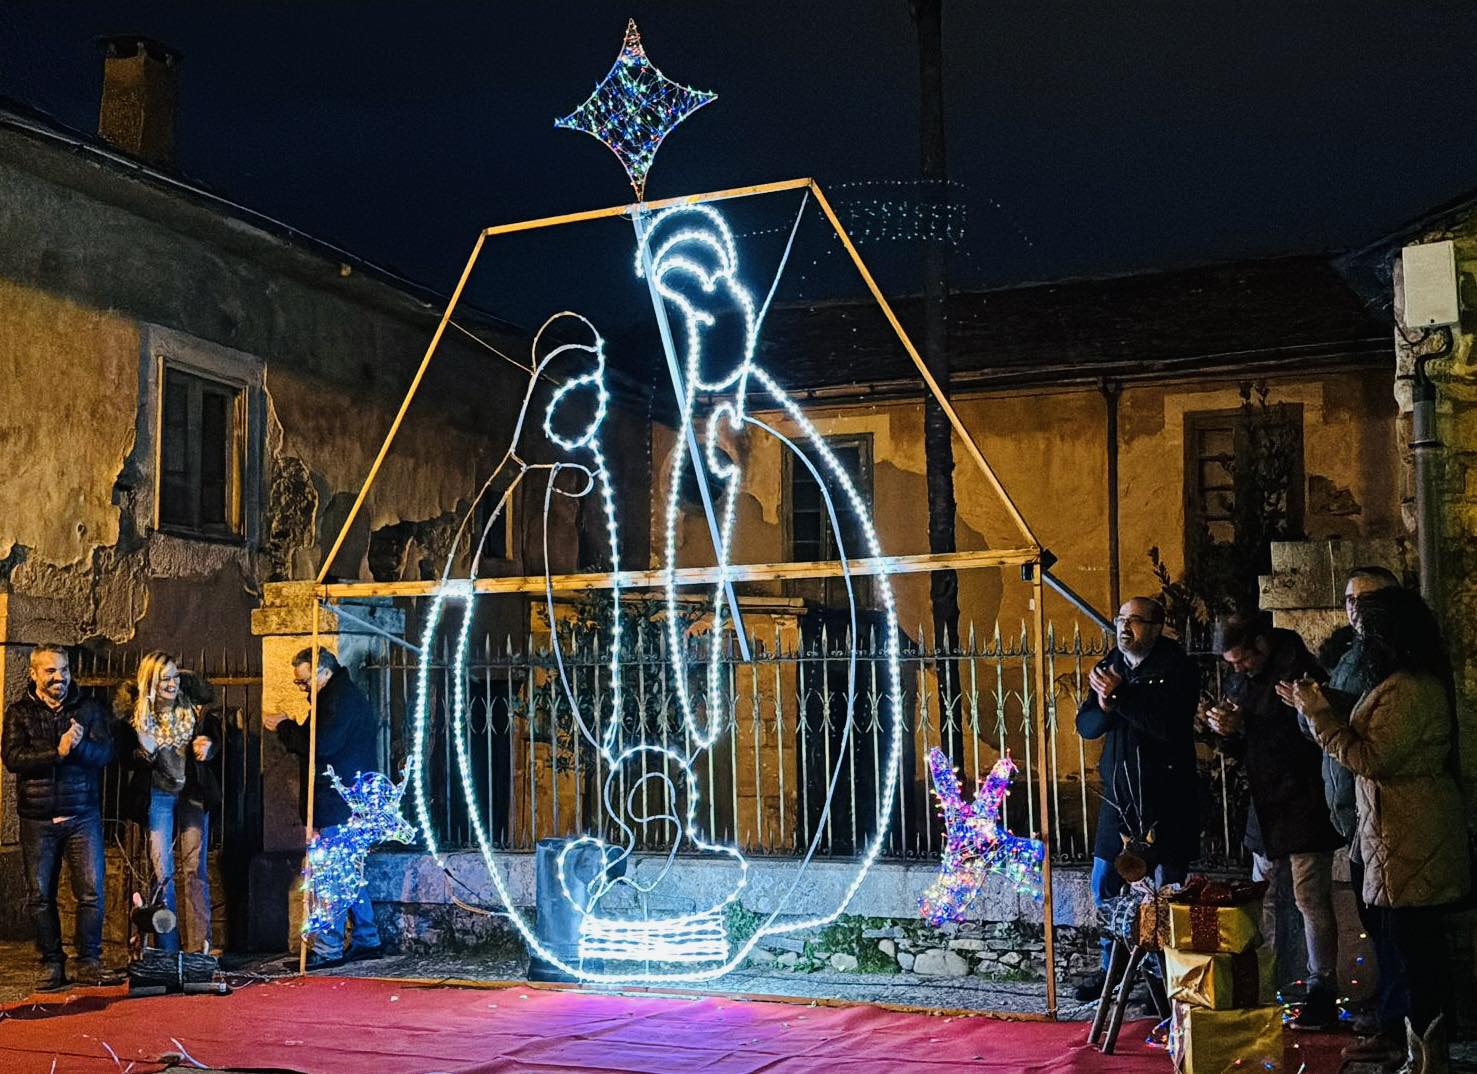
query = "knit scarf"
x=171 y=728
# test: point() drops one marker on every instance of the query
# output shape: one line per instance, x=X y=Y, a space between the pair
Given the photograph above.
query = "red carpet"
x=328 y=1026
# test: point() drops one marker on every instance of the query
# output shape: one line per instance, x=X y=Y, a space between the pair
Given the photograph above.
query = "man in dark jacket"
x=57 y=742
x=1287 y=825
x=346 y=741
x=1142 y=705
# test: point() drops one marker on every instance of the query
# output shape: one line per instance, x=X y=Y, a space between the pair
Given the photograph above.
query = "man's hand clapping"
x=1104 y=681
x=70 y=737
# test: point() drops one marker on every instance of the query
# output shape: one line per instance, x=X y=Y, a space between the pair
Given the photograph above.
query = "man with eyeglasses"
x=347 y=741
x=1141 y=703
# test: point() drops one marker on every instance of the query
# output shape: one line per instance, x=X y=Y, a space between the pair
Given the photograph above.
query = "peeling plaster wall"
x=1348 y=444
x=1454 y=372
x=64 y=432
x=89 y=258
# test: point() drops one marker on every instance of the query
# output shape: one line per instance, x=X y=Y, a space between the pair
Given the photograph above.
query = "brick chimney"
x=140 y=78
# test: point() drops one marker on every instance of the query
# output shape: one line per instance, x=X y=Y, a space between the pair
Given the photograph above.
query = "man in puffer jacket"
x=57 y=743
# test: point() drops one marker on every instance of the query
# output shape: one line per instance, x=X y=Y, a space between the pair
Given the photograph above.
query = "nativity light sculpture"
x=976 y=844
x=688 y=256
x=634 y=108
x=335 y=871
x=709 y=322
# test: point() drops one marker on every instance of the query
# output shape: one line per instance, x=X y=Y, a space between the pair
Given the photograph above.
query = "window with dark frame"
x=811 y=535
x=199 y=455
x=1219 y=455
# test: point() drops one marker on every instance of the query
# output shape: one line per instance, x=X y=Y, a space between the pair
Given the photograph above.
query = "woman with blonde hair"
x=173 y=784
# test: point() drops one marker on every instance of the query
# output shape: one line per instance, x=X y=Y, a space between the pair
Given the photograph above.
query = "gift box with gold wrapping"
x=1139 y=917
x=1220 y=981
x=1203 y=1041
x=1213 y=916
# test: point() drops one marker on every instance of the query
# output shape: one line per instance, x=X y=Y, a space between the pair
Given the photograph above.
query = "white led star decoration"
x=634 y=108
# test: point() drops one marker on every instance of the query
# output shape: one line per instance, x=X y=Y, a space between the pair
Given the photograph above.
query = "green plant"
x=739 y=924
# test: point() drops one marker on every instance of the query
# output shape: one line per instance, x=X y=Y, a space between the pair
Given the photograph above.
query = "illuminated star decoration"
x=633 y=108
x=335 y=873
x=975 y=844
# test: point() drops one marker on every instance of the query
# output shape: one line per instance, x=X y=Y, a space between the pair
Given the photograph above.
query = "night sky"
x=1091 y=139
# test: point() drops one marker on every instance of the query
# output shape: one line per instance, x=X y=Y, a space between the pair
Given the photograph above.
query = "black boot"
x=1319 y=1011
x=53 y=977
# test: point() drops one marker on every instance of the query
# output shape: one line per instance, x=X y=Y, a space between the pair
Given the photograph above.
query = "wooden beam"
x=646 y=206
x=742 y=572
x=415 y=383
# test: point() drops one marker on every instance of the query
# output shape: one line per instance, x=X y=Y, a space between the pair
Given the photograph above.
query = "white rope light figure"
x=694 y=268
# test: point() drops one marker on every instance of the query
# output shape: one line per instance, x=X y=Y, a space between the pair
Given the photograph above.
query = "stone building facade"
x=194 y=394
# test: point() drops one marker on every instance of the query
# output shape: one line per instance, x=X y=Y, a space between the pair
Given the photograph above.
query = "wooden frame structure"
x=1028 y=556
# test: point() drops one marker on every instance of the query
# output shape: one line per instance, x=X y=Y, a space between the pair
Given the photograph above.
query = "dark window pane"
x=1216 y=474
x=176 y=505
x=810 y=521
x=1218 y=442
x=197 y=453
x=215 y=450
x=496 y=544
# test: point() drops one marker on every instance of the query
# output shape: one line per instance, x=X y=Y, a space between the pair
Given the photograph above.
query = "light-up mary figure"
x=689 y=260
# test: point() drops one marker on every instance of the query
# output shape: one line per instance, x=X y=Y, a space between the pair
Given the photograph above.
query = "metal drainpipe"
x=1424 y=447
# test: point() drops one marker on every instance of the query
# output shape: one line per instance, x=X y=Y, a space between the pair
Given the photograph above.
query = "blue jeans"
x=329 y=944
x=44 y=844
x=1106 y=884
x=194 y=835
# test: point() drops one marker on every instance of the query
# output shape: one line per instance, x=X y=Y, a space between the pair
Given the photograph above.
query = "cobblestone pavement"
x=901 y=989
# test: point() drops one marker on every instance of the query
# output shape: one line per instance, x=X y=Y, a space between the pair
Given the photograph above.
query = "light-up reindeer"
x=336 y=862
x=976 y=844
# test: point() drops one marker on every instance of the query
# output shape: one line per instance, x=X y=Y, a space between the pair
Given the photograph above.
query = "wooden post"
x=1038 y=625
x=302 y=947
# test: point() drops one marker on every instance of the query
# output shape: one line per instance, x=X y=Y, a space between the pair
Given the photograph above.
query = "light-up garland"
x=335 y=873
x=633 y=108
x=976 y=844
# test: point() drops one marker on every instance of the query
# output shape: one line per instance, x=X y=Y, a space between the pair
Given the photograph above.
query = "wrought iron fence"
x=790 y=744
x=236 y=681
